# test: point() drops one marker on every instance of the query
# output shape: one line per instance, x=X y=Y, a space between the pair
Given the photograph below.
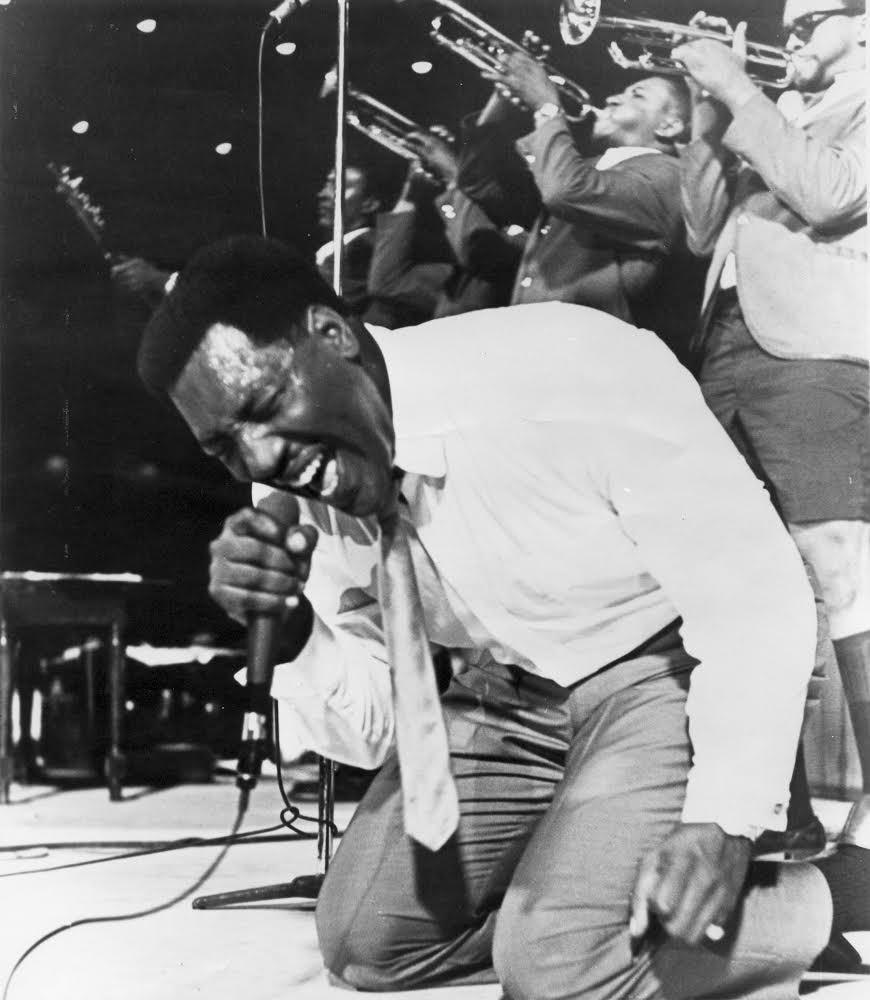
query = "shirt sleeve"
x=337 y=692
x=706 y=530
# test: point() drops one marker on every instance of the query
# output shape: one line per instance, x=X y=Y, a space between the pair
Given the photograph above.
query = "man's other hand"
x=259 y=566
x=691 y=883
x=526 y=79
x=718 y=68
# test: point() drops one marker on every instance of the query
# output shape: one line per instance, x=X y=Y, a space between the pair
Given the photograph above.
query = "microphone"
x=286 y=8
x=263 y=633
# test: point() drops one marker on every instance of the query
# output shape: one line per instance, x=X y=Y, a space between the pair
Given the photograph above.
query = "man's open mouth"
x=318 y=477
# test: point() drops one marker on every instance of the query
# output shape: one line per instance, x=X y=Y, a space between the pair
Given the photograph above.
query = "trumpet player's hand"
x=420 y=186
x=719 y=69
x=709 y=22
x=436 y=155
x=525 y=79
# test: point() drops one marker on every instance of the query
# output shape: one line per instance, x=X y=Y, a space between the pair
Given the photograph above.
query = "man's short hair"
x=258 y=285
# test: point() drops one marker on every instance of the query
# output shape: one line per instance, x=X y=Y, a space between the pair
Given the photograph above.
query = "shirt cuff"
x=317 y=672
x=715 y=799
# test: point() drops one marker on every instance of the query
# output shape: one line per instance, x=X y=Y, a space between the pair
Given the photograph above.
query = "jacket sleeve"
x=706 y=171
x=823 y=182
x=495 y=177
x=398 y=283
x=636 y=202
x=481 y=247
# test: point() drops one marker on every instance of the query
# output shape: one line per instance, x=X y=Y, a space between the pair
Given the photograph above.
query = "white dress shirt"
x=571 y=495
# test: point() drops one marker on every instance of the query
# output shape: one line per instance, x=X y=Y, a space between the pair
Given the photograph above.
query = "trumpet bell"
x=646 y=44
x=578 y=19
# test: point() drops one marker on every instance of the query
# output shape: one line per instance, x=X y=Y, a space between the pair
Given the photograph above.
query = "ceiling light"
x=285 y=48
x=147 y=26
x=81 y=127
x=222 y=148
x=421 y=66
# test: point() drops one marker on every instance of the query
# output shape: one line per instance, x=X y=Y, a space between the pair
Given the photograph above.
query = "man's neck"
x=372 y=360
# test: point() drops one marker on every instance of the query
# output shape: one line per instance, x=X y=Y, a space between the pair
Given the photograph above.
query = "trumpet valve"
x=535 y=45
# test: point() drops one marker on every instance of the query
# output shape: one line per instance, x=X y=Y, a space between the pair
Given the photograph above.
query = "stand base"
x=303 y=887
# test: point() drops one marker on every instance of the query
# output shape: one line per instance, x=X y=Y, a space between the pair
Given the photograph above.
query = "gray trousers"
x=561 y=793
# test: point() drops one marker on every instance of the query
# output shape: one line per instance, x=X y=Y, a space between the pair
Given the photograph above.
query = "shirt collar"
x=325 y=252
x=619 y=154
x=418 y=422
x=801 y=108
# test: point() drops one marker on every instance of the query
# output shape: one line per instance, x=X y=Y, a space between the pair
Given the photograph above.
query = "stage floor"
x=266 y=951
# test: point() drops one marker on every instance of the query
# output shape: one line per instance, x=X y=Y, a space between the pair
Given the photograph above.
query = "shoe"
x=839 y=957
x=797 y=843
x=857 y=828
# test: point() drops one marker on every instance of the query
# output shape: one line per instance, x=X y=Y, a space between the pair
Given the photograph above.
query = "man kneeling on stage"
x=542 y=486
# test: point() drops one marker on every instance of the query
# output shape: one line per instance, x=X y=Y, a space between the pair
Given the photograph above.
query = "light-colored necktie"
x=429 y=799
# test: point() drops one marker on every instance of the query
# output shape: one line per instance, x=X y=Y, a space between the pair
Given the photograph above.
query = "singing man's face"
x=307 y=418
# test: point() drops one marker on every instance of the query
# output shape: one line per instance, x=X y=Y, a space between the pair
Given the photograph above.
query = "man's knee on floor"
x=537 y=954
x=356 y=950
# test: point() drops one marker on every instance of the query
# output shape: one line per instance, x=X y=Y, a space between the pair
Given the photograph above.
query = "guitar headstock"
x=88 y=214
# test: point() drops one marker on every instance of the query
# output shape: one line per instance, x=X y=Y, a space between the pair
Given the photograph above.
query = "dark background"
x=95 y=474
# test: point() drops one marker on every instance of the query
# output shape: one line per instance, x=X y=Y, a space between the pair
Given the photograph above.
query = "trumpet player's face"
x=822 y=41
x=633 y=117
x=357 y=203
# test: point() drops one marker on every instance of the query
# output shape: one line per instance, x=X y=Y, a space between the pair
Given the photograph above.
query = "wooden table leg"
x=6 y=759
x=115 y=763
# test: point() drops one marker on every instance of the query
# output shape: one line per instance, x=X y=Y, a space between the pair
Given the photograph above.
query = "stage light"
x=421 y=66
x=147 y=26
x=222 y=148
x=81 y=127
x=285 y=48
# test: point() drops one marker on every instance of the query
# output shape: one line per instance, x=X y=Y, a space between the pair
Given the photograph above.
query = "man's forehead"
x=797 y=8
x=232 y=358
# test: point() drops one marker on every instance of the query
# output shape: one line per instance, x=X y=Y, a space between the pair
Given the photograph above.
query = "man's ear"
x=333 y=329
x=371 y=205
x=670 y=130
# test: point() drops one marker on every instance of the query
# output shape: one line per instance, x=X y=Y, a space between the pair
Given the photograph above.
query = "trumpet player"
x=605 y=223
x=783 y=340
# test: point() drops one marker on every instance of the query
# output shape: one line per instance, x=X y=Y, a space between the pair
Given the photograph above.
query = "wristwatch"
x=547 y=112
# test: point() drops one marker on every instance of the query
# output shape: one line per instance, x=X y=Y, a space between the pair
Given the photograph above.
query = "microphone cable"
x=260 y=181
x=137 y=914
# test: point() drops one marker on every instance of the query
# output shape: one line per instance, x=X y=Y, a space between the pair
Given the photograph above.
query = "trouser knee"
x=537 y=958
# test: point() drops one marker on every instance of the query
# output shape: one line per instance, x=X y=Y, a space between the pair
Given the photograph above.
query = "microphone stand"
x=308 y=886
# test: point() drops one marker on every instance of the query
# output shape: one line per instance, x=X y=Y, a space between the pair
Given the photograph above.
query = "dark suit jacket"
x=612 y=239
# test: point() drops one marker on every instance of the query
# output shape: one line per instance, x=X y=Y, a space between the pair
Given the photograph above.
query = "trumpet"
x=652 y=43
x=473 y=39
x=381 y=123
